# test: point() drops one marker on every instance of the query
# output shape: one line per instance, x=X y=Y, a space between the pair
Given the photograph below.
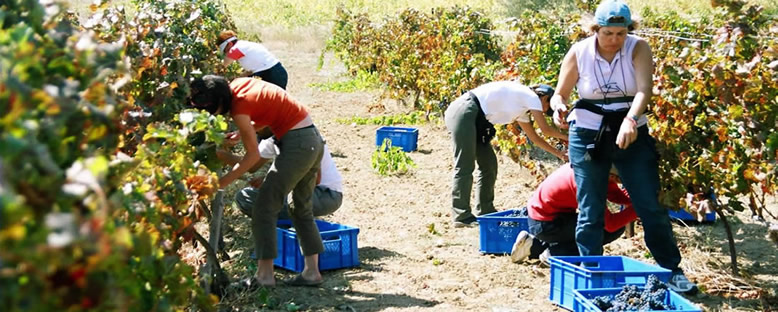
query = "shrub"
x=429 y=59
x=82 y=225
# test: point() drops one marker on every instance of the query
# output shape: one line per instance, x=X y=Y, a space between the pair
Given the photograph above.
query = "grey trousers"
x=294 y=170
x=325 y=201
x=460 y=121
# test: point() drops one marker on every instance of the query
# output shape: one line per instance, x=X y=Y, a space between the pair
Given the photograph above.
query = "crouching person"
x=327 y=196
x=553 y=217
x=252 y=102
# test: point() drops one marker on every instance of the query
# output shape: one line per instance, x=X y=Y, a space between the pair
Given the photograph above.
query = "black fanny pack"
x=484 y=130
x=605 y=141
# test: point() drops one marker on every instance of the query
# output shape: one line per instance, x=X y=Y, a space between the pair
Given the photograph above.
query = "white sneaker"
x=522 y=246
x=544 y=257
x=680 y=284
x=463 y=224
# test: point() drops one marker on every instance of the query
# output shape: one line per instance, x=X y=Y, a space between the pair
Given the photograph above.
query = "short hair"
x=224 y=35
x=211 y=93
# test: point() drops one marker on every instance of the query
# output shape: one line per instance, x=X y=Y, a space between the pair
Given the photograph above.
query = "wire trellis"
x=653 y=32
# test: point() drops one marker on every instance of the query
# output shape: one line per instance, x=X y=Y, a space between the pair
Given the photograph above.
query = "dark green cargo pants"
x=460 y=121
x=294 y=170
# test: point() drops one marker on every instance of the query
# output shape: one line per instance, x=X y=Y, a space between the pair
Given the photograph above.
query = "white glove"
x=268 y=149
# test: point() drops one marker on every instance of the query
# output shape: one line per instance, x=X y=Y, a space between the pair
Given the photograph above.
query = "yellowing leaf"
x=123 y=237
x=14 y=232
x=97 y=132
x=735 y=111
x=750 y=174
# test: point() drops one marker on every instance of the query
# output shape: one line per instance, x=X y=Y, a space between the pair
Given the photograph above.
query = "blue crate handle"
x=330 y=239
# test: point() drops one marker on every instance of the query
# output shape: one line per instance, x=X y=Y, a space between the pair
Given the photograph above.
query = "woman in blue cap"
x=612 y=72
x=471 y=119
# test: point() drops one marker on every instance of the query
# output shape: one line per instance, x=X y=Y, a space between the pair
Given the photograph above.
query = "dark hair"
x=211 y=93
x=543 y=89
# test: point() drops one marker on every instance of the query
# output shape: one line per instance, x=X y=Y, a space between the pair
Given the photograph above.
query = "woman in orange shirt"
x=255 y=104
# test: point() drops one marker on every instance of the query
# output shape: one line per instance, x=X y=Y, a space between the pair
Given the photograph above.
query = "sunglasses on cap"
x=617 y=20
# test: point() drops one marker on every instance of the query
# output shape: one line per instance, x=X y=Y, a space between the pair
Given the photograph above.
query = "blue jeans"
x=558 y=235
x=637 y=166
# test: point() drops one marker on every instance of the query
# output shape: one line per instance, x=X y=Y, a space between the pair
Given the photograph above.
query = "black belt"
x=592 y=105
x=311 y=126
x=605 y=141
x=484 y=130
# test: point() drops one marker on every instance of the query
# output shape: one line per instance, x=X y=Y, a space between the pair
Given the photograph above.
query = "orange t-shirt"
x=266 y=104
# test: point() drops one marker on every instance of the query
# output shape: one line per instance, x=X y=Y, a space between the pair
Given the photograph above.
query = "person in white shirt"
x=612 y=71
x=471 y=119
x=327 y=196
x=253 y=57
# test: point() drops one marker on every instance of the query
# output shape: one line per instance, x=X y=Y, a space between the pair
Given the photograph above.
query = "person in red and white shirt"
x=553 y=216
x=253 y=57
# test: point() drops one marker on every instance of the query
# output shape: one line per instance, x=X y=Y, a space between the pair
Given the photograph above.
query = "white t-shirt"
x=252 y=56
x=330 y=177
x=505 y=101
x=597 y=77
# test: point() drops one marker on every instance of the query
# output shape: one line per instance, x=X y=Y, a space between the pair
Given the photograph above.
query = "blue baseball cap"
x=613 y=13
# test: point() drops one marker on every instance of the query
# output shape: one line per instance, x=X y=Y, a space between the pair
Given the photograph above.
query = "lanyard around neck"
x=605 y=84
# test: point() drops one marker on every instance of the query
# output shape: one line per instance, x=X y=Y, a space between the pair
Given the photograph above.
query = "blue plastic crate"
x=583 y=301
x=498 y=231
x=400 y=137
x=686 y=216
x=340 y=246
x=568 y=274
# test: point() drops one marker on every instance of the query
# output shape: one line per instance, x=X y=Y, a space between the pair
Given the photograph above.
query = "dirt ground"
x=405 y=267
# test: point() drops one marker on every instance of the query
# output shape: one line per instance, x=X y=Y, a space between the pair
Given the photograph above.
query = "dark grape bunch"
x=631 y=298
x=516 y=213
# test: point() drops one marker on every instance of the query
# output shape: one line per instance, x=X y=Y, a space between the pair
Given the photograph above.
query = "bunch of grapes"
x=631 y=298
x=603 y=302
x=516 y=213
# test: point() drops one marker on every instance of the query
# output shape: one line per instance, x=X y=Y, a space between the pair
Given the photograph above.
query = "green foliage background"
x=101 y=173
x=715 y=101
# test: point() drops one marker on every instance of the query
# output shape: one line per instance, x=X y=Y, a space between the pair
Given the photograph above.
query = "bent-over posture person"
x=471 y=119
x=253 y=102
x=253 y=57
